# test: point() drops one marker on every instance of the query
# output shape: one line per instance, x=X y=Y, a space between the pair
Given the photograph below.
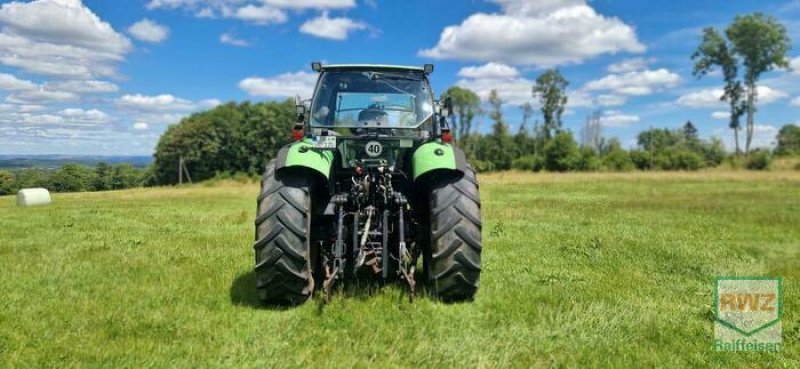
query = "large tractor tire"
x=283 y=230
x=453 y=263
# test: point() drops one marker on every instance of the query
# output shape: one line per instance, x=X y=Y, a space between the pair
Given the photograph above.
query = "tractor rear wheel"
x=453 y=263
x=282 y=247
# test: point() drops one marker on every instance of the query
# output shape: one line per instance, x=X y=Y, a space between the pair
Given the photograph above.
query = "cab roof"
x=372 y=66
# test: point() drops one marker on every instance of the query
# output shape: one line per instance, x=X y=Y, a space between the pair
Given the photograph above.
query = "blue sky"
x=107 y=77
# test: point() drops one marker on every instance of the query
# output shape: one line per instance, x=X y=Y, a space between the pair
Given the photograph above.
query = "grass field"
x=580 y=270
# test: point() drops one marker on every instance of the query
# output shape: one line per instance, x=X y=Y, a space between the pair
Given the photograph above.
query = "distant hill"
x=56 y=161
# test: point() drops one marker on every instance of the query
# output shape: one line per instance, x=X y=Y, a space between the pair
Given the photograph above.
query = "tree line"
x=74 y=178
x=239 y=138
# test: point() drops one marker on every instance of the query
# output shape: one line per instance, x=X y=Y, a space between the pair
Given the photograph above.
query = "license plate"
x=324 y=142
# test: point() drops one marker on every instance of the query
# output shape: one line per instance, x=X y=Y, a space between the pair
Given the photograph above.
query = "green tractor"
x=372 y=186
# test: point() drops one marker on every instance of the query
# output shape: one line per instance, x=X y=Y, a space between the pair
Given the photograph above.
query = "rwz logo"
x=747 y=313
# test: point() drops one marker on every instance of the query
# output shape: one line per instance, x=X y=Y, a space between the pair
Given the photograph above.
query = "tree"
x=561 y=153
x=714 y=51
x=229 y=138
x=498 y=147
x=466 y=105
x=657 y=139
x=592 y=132
x=102 y=177
x=762 y=43
x=29 y=178
x=551 y=89
x=527 y=113
x=689 y=132
x=72 y=178
x=125 y=176
x=8 y=183
x=788 y=140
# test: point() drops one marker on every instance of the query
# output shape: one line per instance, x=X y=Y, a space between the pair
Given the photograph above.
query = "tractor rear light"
x=447 y=137
x=297 y=134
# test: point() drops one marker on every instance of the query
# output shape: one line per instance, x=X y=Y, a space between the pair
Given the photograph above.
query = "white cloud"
x=763 y=136
x=706 y=98
x=10 y=82
x=331 y=28
x=60 y=38
x=795 y=101
x=229 y=39
x=70 y=116
x=260 y=15
x=767 y=95
x=21 y=108
x=206 y=6
x=617 y=119
x=629 y=65
x=541 y=33
x=513 y=91
x=94 y=116
x=517 y=90
x=721 y=115
x=489 y=70
x=149 y=31
x=794 y=65
x=83 y=87
x=311 y=4
x=205 y=13
x=209 y=103
x=160 y=118
x=140 y=126
x=610 y=100
x=710 y=98
x=40 y=95
x=34 y=119
x=283 y=85
x=158 y=103
x=636 y=83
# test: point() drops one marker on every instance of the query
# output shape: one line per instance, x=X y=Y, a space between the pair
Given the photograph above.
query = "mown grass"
x=580 y=270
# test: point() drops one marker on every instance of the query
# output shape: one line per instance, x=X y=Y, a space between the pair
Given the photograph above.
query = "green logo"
x=748 y=312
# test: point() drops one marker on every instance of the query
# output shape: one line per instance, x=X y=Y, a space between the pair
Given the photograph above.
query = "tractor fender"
x=302 y=154
x=435 y=156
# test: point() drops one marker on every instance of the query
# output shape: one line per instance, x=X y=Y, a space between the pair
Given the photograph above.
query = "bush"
x=677 y=159
x=8 y=183
x=561 y=153
x=641 y=159
x=29 y=178
x=713 y=152
x=758 y=160
x=71 y=178
x=687 y=160
x=528 y=162
x=126 y=176
x=618 y=160
x=586 y=160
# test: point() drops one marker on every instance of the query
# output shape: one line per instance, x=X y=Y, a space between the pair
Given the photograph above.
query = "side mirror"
x=300 y=110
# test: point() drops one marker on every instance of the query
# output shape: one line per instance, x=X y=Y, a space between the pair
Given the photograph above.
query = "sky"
x=102 y=77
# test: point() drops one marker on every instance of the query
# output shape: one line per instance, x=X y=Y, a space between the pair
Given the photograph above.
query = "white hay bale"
x=33 y=197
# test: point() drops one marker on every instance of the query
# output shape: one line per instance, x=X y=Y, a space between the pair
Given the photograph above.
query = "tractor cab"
x=371 y=114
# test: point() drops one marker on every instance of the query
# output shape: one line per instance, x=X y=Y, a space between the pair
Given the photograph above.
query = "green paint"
x=303 y=154
x=425 y=159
